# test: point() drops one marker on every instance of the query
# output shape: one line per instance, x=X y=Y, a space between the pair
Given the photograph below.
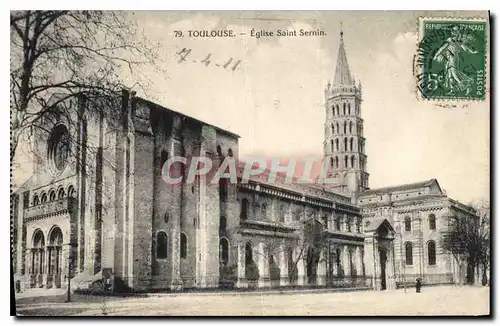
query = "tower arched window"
x=345 y=144
x=349 y=108
x=345 y=161
x=344 y=108
x=333 y=129
x=431 y=253
x=331 y=145
x=337 y=144
x=350 y=127
x=263 y=210
x=409 y=253
x=432 y=222
x=351 y=143
x=161 y=245
x=331 y=162
x=244 y=209
x=338 y=110
x=407 y=224
x=183 y=245
x=353 y=160
x=345 y=127
x=336 y=162
x=333 y=110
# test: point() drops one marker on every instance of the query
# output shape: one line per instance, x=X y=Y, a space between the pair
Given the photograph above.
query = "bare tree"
x=468 y=240
x=57 y=56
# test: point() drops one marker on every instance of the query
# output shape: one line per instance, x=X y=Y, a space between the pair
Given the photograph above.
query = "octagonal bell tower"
x=344 y=144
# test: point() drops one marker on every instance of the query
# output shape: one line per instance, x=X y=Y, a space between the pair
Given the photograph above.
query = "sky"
x=274 y=99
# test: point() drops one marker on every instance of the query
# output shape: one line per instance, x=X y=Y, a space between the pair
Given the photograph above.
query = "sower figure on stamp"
x=450 y=53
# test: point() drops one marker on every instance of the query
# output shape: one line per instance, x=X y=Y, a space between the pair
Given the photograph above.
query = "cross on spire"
x=342 y=72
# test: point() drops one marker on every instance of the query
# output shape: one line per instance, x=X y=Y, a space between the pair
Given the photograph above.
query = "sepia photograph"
x=250 y=163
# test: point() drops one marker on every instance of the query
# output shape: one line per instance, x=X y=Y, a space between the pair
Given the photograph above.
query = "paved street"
x=445 y=300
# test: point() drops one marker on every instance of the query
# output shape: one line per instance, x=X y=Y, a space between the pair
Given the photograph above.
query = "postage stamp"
x=451 y=58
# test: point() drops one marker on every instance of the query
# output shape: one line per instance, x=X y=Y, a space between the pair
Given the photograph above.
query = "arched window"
x=350 y=127
x=358 y=226
x=331 y=162
x=337 y=261
x=352 y=270
x=345 y=127
x=338 y=111
x=431 y=253
x=345 y=144
x=161 y=245
x=183 y=245
x=71 y=192
x=345 y=161
x=52 y=195
x=336 y=162
x=222 y=224
x=331 y=145
x=333 y=110
x=353 y=159
x=61 y=193
x=219 y=150
x=337 y=224
x=36 y=200
x=230 y=152
x=409 y=253
x=351 y=143
x=337 y=144
x=432 y=222
x=43 y=198
x=248 y=253
x=223 y=189
x=244 y=209
x=263 y=211
x=407 y=224
x=344 y=108
x=349 y=108
x=224 y=250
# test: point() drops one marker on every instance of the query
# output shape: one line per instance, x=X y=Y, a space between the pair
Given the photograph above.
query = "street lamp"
x=70 y=265
x=403 y=267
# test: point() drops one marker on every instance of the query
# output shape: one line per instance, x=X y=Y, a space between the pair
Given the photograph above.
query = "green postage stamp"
x=451 y=59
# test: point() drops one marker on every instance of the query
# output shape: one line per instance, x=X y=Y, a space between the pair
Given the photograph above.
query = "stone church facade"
x=96 y=207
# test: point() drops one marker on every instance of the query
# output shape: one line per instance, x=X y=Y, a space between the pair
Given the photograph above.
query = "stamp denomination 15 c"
x=451 y=59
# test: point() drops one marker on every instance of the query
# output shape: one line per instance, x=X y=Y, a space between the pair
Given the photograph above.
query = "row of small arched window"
x=51 y=196
x=431 y=253
x=244 y=216
x=432 y=222
x=348 y=145
x=336 y=128
x=346 y=109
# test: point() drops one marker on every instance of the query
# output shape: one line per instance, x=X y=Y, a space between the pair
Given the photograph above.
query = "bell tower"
x=344 y=144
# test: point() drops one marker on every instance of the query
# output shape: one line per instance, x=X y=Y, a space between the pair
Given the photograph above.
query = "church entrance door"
x=383 y=261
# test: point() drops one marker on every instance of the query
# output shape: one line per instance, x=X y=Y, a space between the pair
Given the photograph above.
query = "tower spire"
x=342 y=72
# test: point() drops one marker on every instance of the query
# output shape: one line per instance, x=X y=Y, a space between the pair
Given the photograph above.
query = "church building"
x=96 y=207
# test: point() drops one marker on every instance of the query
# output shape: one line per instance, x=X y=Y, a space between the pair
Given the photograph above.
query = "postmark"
x=451 y=59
